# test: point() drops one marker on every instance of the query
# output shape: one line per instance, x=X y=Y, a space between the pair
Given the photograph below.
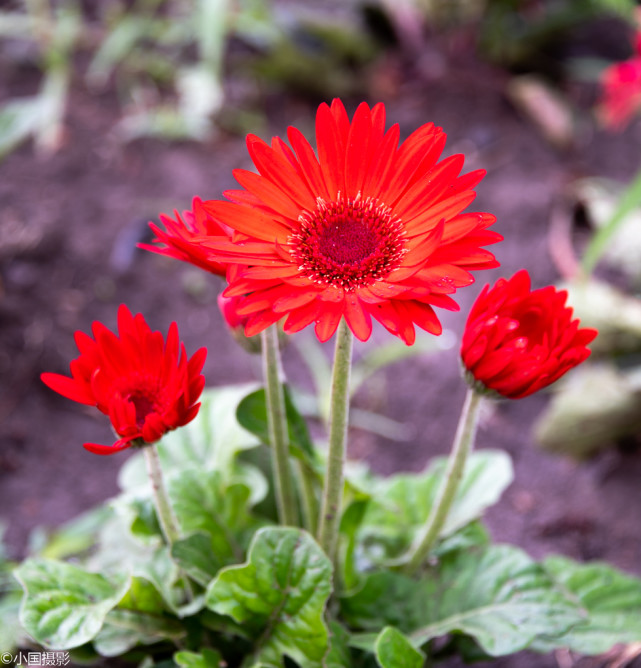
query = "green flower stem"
x=277 y=423
x=166 y=517
x=338 y=420
x=463 y=443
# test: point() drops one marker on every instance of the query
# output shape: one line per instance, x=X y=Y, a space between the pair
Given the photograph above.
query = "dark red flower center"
x=144 y=404
x=143 y=391
x=349 y=243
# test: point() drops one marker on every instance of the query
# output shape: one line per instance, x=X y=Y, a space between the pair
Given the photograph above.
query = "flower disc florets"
x=348 y=243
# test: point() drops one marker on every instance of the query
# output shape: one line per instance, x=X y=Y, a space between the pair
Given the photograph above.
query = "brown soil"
x=68 y=226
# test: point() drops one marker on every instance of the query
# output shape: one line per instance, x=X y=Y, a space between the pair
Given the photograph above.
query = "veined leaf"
x=612 y=600
x=64 y=605
x=401 y=504
x=202 y=502
x=497 y=595
x=279 y=596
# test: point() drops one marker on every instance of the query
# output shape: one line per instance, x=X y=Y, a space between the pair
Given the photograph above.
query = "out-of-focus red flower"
x=146 y=385
x=621 y=88
x=182 y=238
x=621 y=94
x=517 y=341
x=362 y=229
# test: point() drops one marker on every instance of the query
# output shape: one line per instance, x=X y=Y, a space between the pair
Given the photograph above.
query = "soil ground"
x=68 y=228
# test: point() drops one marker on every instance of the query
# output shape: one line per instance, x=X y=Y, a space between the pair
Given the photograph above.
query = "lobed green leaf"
x=496 y=594
x=65 y=606
x=401 y=504
x=279 y=596
x=612 y=600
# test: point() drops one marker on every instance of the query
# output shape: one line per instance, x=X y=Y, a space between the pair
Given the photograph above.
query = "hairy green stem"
x=277 y=423
x=166 y=517
x=338 y=420
x=463 y=443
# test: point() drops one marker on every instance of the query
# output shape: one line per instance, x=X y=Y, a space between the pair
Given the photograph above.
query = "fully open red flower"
x=368 y=229
x=180 y=238
x=518 y=341
x=145 y=385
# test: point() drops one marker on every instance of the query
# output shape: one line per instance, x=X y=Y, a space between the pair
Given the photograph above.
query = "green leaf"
x=119 y=41
x=124 y=629
x=19 y=118
x=140 y=617
x=64 y=605
x=394 y=650
x=339 y=655
x=612 y=600
x=157 y=567
x=402 y=503
x=197 y=556
x=208 y=658
x=279 y=596
x=474 y=535
x=142 y=596
x=350 y=523
x=118 y=550
x=76 y=536
x=252 y=415
x=10 y=597
x=498 y=595
x=611 y=211
x=203 y=503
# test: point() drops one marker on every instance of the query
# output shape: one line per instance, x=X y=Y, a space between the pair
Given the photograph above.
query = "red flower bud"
x=517 y=341
x=146 y=385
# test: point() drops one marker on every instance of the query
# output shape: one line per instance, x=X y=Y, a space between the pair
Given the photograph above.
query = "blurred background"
x=114 y=111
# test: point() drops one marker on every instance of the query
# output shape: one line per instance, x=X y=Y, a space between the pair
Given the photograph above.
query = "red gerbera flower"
x=621 y=95
x=180 y=238
x=368 y=229
x=517 y=342
x=621 y=88
x=145 y=385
